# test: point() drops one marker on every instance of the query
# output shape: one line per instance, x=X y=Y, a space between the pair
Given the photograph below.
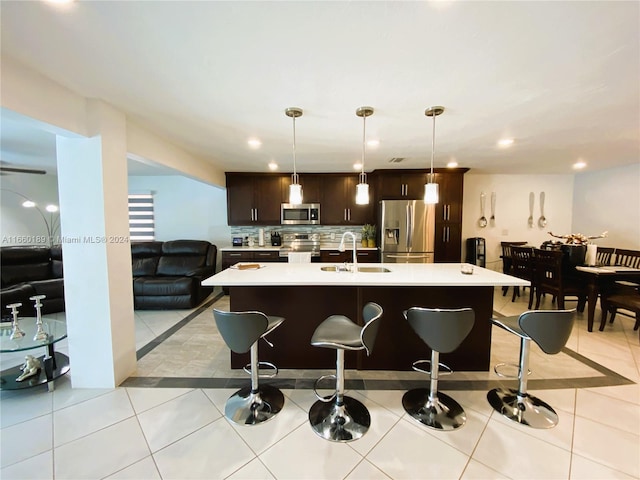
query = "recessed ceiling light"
x=254 y=143
x=373 y=143
x=505 y=142
x=273 y=165
x=357 y=166
x=452 y=164
x=580 y=164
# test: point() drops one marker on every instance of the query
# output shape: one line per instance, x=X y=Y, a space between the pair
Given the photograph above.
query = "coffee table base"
x=52 y=368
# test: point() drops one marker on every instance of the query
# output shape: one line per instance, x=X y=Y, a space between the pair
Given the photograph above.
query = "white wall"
x=609 y=200
x=512 y=210
x=186 y=209
x=25 y=226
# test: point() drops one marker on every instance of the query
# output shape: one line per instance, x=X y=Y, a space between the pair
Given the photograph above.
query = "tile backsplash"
x=325 y=232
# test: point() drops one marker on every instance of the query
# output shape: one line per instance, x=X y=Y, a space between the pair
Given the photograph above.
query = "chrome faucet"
x=355 y=255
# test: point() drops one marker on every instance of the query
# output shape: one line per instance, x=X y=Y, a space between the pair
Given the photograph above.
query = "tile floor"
x=137 y=432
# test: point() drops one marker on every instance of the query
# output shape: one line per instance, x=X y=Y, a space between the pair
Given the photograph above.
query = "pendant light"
x=295 y=189
x=362 y=189
x=431 y=188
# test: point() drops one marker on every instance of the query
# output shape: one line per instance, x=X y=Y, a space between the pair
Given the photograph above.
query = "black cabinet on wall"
x=254 y=199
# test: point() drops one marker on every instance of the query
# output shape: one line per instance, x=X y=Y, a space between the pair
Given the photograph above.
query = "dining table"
x=600 y=278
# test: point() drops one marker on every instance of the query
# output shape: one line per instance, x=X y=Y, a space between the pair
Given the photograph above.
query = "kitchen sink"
x=341 y=268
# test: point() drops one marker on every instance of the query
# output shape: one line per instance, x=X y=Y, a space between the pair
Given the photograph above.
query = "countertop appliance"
x=276 y=239
x=302 y=214
x=301 y=242
x=476 y=251
x=408 y=230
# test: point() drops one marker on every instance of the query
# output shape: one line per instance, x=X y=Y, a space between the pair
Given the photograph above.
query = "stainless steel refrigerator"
x=407 y=228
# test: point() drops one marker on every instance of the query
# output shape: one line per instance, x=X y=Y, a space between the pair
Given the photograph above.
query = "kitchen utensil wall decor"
x=492 y=220
x=483 y=220
x=532 y=199
x=542 y=221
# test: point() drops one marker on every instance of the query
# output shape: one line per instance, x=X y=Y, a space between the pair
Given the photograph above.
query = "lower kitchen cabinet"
x=448 y=243
x=336 y=256
x=231 y=258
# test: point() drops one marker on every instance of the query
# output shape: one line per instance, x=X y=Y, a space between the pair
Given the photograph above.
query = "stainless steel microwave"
x=302 y=214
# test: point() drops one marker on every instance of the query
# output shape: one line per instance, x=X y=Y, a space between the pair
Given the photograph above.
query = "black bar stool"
x=241 y=332
x=340 y=418
x=443 y=331
x=550 y=329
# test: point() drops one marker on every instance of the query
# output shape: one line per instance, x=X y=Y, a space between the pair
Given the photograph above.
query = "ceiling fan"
x=5 y=169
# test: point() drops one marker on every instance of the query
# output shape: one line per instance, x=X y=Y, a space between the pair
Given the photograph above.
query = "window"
x=141 y=223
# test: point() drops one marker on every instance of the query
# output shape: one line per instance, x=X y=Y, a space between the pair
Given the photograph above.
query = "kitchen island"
x=305 y=295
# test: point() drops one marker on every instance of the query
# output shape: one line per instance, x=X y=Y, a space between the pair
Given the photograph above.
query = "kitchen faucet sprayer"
x=341 y=248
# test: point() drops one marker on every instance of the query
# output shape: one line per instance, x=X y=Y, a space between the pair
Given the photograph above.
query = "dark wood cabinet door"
x=311 y=188
x=449 y=207
x=240 y=203
x=358 y=214
x=448 y=242
x=267 y=198
x=367 y=256
x=333 y=207
x=397 y=185
x=335 y=256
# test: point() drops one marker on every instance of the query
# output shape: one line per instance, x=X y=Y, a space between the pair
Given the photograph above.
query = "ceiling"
x=560 y=78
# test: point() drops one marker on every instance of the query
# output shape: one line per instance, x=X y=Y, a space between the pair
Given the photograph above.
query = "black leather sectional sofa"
x=169 y=274
x=166 y=275
x=28 y=271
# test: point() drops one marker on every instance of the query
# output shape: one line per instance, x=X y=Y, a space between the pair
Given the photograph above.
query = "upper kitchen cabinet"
x=338 y=201
x=311 y=188
x=254 y=199
x=449 y=206
x=400 y=184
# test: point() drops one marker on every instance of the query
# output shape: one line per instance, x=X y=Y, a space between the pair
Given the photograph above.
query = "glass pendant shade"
x=362 y=194
x=295 y=194
x=431 y=193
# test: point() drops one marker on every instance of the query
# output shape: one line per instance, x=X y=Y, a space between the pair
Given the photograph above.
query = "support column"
x=92 y=183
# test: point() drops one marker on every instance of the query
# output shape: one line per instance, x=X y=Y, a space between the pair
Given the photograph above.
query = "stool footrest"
x=247 y=369
x=500 y=370
x=446 y=370
x=328 y=398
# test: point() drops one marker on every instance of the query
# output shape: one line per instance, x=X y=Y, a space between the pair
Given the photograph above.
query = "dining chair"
x=522 y=267
x=507 y=263
x=627 y=299
x=627 y=258
x=553 y=277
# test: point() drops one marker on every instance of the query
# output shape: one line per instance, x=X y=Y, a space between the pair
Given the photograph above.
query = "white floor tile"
x=519 y=455
x=39 y=467
x=177 y=418
x=26 y=439
x=101 y=453
x=609 y=446
x=477 y=471
x=144 y=469
x=254 y=470
x=144 y=399
x=609 y=411
x=303 y=454
x=90 y=416
x=65 y=395
x=408 y=452
x=212 y=452
x=585 y=469
x=365 y=470
x=22 y=405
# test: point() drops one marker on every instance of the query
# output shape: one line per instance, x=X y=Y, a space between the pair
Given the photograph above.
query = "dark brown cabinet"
x=400 y=184
x=448 y=232
x=254 y=199
x=336 y=256
x=338 y=201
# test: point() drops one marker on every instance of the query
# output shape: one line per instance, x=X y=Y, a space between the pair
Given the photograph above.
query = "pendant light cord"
x=295 y=175
x=433 y=148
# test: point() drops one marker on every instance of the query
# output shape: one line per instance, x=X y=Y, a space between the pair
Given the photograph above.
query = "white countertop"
x=402 y=274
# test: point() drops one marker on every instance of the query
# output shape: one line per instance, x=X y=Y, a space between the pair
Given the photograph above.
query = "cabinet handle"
x=448 y=212
x=264 y=254
x=448 y=234
x=333 y=254
x=349 y=213
x=256 y=217
x=444 y=234
x=235 y=254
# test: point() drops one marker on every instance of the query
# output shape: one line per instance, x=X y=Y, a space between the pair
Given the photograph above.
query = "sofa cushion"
x=146 y=249
x=179 y=265
x=56 y=261
x=163 y=286
x=185 y=247
x=52 y=288
x=144 y=258
x=144 y=266
x=23 y=264
x=17 y=294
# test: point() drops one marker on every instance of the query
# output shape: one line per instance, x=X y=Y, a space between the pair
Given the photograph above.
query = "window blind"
x=141 y=222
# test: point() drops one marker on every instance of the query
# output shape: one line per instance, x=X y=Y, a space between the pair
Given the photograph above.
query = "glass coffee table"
x=52 y=364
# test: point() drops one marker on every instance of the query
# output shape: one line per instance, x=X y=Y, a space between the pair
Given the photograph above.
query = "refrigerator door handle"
x=408 y=256
x=409 y=224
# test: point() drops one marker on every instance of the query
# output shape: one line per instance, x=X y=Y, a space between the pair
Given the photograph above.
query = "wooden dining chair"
x=627 y=299
x=522 y=267
x=552 y=276
x=507 y=263
x=603 y=255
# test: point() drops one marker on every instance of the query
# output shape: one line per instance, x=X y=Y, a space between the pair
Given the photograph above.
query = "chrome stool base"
x=445 y=414
x=246 y=408
x=525 y=409
x=340 y=423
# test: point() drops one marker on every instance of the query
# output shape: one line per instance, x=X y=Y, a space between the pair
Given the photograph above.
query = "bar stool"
x=550 y=329
x=443 y=331
x=241 y=332
x=340 y=418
